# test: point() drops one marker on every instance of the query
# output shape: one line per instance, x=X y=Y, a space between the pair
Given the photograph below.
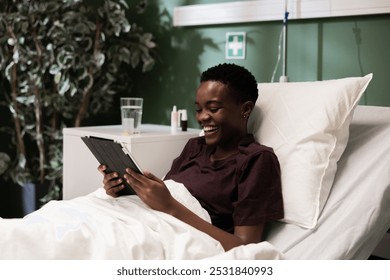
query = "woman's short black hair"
x=236 y=77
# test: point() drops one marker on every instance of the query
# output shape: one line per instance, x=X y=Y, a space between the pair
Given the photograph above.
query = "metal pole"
x=284 y=77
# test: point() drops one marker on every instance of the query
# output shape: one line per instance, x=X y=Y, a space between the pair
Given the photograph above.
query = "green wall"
x=318 y=49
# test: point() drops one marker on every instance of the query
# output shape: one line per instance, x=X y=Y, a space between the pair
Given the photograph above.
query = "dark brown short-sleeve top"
x=244 y=189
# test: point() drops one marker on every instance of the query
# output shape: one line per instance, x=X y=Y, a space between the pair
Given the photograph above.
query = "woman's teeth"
x=210 y=128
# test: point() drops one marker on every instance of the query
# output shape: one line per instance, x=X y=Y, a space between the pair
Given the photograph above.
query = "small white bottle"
x=174 y=119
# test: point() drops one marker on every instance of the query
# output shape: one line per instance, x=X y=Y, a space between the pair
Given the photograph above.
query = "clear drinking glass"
x=131 y=111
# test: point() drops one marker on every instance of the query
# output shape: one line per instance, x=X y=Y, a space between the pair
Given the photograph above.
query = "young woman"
x=236 y=179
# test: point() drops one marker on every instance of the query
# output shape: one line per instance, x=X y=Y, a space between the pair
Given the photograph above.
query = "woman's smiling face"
x=219 y=114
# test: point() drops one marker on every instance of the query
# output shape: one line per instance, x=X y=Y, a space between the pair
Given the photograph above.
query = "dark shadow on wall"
x=320 y=51
x=357 y=34
x=358 y=40
x=173 y=79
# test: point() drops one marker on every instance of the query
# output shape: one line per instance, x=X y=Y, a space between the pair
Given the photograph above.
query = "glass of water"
x=131 y=111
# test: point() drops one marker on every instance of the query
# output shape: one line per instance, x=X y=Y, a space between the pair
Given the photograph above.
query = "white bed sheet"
x=357 y=213
x=97 y=226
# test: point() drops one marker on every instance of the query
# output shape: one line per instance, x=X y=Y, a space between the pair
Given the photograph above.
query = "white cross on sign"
x=235 y=45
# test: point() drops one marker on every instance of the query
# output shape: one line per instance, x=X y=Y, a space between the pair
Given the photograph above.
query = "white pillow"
x=307 y=125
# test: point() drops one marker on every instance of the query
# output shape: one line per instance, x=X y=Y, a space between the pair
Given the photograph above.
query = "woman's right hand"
x=111 y=182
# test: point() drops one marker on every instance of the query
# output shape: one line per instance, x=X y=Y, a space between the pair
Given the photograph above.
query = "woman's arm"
x=154 y=193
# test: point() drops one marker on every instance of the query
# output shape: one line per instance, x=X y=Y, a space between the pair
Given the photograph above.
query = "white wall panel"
x=269 y=10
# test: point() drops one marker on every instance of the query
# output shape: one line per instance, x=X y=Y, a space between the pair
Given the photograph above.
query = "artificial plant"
x=60 y=62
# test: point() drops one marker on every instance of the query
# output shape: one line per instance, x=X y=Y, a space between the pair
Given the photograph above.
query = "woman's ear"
x=247 y=108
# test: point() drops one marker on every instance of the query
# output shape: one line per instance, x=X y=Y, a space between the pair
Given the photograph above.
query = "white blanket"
x=98 y=226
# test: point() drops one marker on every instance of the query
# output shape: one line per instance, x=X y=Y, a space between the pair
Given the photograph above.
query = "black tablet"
x=115 y=157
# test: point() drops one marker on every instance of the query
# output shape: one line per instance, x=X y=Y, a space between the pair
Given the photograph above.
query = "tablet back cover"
x=112 y=155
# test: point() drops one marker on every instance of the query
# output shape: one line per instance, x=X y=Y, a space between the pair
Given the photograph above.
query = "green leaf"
x=148 y=65
x=63 y=86
x=135 y=59
x=57 y=77
x=54 y=70
x=73 y=90
x=22 y=161
x=26 y=100
x=8 y=71
x=146 y=39
x=100 y=58
x=125 y=55
x=11 y=42
x=5 y=162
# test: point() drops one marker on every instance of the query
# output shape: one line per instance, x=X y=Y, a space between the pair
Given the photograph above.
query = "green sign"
x=235 y=45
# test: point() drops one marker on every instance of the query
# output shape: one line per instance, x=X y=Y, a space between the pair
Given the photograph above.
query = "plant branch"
x=14 y=94
x=39 y=137
x=38 y=113
x=87 y=91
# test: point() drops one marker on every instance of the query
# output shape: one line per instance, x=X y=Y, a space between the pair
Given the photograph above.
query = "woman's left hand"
x=151 y=190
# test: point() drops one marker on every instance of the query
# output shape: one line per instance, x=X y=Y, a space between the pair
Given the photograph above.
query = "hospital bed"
x=335 y=162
